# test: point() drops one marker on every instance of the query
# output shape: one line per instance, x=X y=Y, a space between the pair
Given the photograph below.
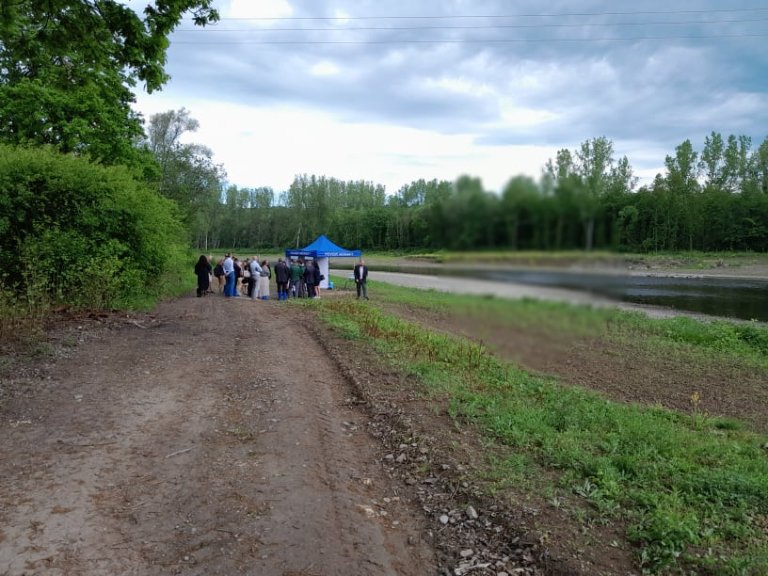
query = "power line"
x=494 y=16
x=472 y=41
x=484 y=27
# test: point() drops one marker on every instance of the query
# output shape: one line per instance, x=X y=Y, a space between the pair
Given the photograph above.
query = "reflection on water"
x=732 y=298
x=744 y=299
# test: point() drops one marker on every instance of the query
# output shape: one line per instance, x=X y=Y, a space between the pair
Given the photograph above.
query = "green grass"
x=692 y=490
x=717 y=340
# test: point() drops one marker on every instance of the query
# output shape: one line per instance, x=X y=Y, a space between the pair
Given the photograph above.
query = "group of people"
x=249 y=277
x=299 y=279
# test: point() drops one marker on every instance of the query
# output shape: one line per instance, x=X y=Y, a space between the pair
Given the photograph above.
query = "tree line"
x=715 y=199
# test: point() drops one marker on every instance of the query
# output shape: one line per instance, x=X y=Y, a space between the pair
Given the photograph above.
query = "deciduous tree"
x=68 y=68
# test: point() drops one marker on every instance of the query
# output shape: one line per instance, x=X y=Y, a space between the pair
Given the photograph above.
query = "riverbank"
x=734 y=289
x=736 y=266
x=659 y=296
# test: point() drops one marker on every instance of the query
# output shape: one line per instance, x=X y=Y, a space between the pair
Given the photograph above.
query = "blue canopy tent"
x=321 y=251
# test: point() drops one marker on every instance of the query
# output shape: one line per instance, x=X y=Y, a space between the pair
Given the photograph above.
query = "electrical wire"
x=335 y=28
x=470 y=16
x=477 y=41
x=486 y=27
x=498 y=24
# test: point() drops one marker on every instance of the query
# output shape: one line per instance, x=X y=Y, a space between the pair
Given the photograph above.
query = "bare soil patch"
x=211 y=437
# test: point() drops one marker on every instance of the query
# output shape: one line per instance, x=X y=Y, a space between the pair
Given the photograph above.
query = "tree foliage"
x=713 y=199
x=187 y=173
x=68 y=67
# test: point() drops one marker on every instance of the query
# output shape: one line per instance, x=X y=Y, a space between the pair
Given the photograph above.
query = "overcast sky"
x=394 y=91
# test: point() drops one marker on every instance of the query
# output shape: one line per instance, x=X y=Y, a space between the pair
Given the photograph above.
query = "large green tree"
x=588 y=177
x=682 y=186
x=68 y=68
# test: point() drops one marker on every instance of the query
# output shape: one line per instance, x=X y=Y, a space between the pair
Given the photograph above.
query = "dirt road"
x=212 y=437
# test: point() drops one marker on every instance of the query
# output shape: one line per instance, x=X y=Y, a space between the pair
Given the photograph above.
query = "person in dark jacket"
x=318 y=278
x=282 y=277
x=361 y=279
x=203 y=272
x=218 y=273
x=311 y=276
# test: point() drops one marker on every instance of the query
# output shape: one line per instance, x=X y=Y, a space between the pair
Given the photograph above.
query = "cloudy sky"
x=394 y=91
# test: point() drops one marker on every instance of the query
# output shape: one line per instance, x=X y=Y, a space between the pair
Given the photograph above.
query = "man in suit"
x=361 y=279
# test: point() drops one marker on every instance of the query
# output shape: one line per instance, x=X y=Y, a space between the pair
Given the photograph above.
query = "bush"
x=77 y=233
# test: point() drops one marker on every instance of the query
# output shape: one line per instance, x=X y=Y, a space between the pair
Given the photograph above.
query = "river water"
x=744 y=299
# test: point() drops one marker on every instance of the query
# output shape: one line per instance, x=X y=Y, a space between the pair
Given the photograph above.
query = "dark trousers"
x=362 y=286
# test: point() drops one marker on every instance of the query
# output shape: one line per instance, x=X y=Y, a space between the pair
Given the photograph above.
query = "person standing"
x=266 y=274
x=218 y=273
x=210 y=274
x=253 y=288
x=238 y=275
x=282 y=276
x=318 y=278
x=203 y=272
x=247 y=281
x=309 y=277
x=361 y=279
x=297 y=279
x=229 y=276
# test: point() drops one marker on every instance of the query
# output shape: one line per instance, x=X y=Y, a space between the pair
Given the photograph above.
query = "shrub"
x=77 y=233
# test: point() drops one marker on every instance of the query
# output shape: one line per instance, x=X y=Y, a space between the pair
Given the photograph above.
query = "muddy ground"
x=229 y=436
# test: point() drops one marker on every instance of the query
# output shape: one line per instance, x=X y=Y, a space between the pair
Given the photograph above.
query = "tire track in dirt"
x=211 y=437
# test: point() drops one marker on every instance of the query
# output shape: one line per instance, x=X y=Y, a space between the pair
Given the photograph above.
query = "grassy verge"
x=746 y=342
x=693 y=491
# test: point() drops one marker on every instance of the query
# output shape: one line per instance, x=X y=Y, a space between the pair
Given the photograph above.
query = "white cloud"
x=524 y=117
x=459 y=85
x=342 y=16
x=244 y=9
x=269 y=146
x=325 y=68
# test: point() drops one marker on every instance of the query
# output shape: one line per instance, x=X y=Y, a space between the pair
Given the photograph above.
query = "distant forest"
x=715 y=199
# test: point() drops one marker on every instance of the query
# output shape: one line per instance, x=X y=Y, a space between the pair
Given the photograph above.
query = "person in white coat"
x=253 y=289
x=266 y=274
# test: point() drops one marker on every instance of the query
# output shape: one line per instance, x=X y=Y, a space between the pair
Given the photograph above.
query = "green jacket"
x=297 y=271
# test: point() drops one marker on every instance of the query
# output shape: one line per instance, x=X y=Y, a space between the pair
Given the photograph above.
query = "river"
x=738 y=298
